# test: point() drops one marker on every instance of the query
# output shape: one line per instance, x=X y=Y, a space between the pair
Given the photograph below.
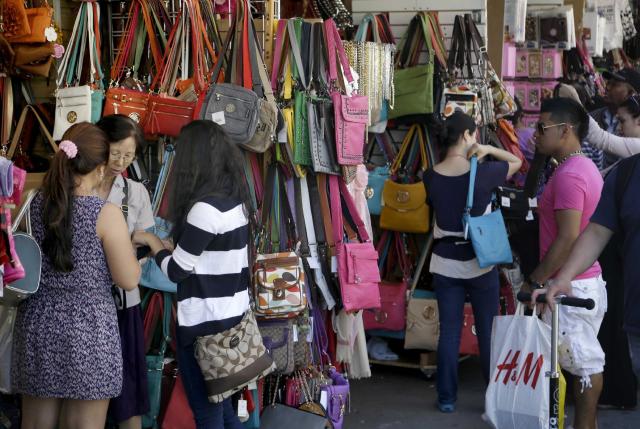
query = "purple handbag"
x=337 y=398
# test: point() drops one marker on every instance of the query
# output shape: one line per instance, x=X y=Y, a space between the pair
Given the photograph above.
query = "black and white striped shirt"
x=210 y=265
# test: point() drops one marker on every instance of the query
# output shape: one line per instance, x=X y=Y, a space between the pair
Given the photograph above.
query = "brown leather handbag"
x=33 y=59
x=14 y=19
x=39 y=20
x=7 y=55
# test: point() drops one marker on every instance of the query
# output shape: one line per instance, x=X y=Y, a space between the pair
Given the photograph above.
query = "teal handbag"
x=487 y=232
x=373 y=193
x=155 y=361
x=152 y=276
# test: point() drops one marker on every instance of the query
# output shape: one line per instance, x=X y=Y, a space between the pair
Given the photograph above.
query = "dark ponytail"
x=632 y=104
x=58 y=190
x=453 y=128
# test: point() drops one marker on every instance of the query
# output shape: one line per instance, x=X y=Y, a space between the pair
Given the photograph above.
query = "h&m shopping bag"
x=518 y=391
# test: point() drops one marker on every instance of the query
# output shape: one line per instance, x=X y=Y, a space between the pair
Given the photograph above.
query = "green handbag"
x=414 y=83
x=302 y=145
x=155 y=358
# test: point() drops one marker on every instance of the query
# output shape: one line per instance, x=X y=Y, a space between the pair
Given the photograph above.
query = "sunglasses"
x=541 y=127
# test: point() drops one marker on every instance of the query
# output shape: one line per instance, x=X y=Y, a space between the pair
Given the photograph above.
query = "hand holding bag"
x=487 y=233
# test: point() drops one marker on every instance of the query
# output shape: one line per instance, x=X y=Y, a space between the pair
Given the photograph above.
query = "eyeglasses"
x=116 y=156
x=541 y=127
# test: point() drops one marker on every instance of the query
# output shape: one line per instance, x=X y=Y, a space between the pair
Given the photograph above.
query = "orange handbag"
x=39 y=19
x=14 y=19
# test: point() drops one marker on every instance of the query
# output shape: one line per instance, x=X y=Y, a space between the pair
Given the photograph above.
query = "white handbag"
x=73 y=105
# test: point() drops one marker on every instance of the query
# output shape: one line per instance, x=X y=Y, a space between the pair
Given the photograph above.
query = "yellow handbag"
x=404 y=205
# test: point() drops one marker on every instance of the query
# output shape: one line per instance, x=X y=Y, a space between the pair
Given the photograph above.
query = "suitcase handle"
x=570 y=301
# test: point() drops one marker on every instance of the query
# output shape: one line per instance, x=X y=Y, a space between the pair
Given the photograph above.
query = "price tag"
x=295 y=333
x=310 y=333
x=533 y=202
x=242 y=409
x=218 y=118
x=334 y=264
x=506 y=202
x=529 y=215
x=252 y=386
x=324 y=400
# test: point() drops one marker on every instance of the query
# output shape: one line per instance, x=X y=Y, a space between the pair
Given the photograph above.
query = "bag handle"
x=337 y=189
x=277 y=59
x=472 y=183
x=7 y=111
x=19 y=128
x=334 y=45
x=25 y=213
x=408 y=139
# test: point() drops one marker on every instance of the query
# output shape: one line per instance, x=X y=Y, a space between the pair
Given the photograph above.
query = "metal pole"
x=554 y=375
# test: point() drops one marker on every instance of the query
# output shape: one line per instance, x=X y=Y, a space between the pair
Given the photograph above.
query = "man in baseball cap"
x=621 y=85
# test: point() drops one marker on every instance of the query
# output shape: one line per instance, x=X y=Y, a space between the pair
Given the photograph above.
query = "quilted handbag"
x=377 y=178
x=404 y=205
x=357 y=262
x=279 y=285
x=278 y=339
x=391 y=314
x=423 y=326
x=321 y=136
x=235 y=109
x=232 y=359
x=487 y=233
x=351 y=113
x=414 y=83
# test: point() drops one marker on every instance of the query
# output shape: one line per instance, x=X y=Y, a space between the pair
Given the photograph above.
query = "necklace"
x=571 y=155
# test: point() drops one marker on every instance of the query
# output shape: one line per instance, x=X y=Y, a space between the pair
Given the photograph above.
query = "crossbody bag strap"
x=406 y=142
x=126 y=43
x=472 y=183
x=326 y=214
x=404 y=48
x=277 y=59
x=295 y=51
x=311 y=180
x=436 y=41
x=7 y=111
x=19 y=128
x=363 y=28
x=124 y=206
x=353 y=210
x=335 y=48
x=301 y=222
x=71 y=46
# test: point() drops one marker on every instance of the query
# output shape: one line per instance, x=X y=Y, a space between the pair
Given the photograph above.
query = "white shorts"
x=579 y=350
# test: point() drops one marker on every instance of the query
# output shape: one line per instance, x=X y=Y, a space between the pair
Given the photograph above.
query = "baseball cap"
x=626 y=75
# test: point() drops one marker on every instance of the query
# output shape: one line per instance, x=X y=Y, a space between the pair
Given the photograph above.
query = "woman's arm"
x=482 y=150
x=121 y=259
x=611 y=143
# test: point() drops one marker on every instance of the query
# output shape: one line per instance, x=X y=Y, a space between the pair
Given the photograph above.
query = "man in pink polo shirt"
x=568 y=201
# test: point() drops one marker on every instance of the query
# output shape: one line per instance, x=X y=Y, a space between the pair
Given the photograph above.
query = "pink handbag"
x=14 y=271
x=357 y=262
x=351 y=112
x=392 y=313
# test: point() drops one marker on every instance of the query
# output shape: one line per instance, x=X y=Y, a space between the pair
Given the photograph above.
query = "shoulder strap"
x=19 y=128
x=124 y=206
x=472 y=183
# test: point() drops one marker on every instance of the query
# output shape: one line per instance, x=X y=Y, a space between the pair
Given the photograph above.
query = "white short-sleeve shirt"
x=139 y=217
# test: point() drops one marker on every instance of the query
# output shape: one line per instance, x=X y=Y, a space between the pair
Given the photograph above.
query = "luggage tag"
x=218 y=118
x=243 y=412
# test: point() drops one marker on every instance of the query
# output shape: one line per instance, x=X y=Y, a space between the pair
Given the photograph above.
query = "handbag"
x=487 y=233
x=83 y=103
x=132 y=102
x=391 y=315
x=414 y=83
x=404 y=205
x=15 y=19
x=351 y=112
x=277 y=336
x=152 y=275
x=33 y=59
x=178 y=414
x=377 y=178
x=468 y=337
x=40 y=19
x=23 y=278
x=157 y=309
x=232 y=359
x=423 y=325
x=357 y=261
x=337 y=398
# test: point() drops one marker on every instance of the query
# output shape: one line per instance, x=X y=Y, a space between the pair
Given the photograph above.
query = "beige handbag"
x=423 y=328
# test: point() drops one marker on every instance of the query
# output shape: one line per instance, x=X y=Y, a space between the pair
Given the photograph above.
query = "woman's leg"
x=79 y=414
x=132 y=423
x=450 y=294
x=40 y=413
x=207 y=415
x=484 y=292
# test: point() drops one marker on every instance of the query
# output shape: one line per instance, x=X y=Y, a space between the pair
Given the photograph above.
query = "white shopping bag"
x=7 y=320
x=518 y=393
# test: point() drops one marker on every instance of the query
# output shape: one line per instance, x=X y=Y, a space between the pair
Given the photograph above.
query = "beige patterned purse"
x=232 y=359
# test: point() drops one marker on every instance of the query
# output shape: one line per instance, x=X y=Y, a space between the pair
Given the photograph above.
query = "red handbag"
x=357 y=262
x=178 y=414
x=392 y=313
x=469 y=338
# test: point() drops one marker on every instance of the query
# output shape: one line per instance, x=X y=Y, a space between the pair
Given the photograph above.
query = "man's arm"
x=568 y=222
x=584 y=253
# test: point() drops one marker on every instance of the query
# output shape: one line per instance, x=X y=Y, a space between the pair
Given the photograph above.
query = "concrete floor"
x=405 y=398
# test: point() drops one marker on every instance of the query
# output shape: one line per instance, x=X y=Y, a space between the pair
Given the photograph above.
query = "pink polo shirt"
x=575 y=185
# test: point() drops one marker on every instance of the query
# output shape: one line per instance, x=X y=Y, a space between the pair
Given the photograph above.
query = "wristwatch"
x=534 y=284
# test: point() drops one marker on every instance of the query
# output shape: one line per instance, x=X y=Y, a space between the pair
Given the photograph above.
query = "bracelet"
x=535 y=284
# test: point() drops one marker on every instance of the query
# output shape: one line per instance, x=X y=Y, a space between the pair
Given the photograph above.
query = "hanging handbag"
x=423 y=325
x=391 y=315
x=232 y=359
x=357 y=261
x=277 y=336
x=351 y=112
x=178 y=414
x=32 y=59
x=469 y=337
x=14 y=19
x=404 y=205
x=23 y=278
x=40 y=19
x=338 y=397
x=487 y=232
x=414 y=83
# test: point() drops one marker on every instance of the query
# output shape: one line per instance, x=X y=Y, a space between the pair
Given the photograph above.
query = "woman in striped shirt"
x=210 y=261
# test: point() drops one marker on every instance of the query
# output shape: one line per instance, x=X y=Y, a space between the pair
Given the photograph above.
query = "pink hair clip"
x=69 y=148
